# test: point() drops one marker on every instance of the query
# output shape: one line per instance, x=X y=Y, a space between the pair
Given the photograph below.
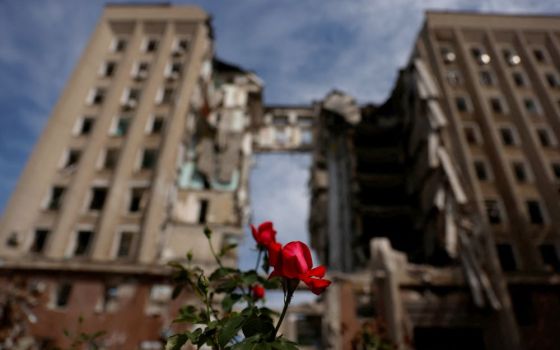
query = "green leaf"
x=221 y=273
x=230 y=300
x=175 y=342
x=176 y=291
x=230 y=328
x=227 y=248
x=188 y=314
x=258 y=325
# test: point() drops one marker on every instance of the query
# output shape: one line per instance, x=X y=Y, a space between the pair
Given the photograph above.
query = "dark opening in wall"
x=456 y=338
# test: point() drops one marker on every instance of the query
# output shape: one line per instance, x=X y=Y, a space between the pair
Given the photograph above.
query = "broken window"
x=72 y=158
x=519 y=79
x=136 y=200
x=472 y=134
x=55 y=199
x=497 y=105
x=111 y=158
x=535 y=213
x=158 y=123
x=125 y=244
x=454 y=77
x=486 y=78
x=493 y=211
x=181 y=46
x=506 y=257
x=203 y=205
x=142 y=70
x=531 y=105
x=151 y=45
x=507 y=135
x=519 y=171
x=539 y=55
x=545 y=137
x=549 y=256
x=62 y=295
x=97 y=96
x=121 y=126
x=98 y=198
x=108 y=69
x=119 y=45
x=481 y=170
x=39 y=241
x=462 y=104
x=166 y=96
x=149 y=159
x=552 y=80
x=83 y=240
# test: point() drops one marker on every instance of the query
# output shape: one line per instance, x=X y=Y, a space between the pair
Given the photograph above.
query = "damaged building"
x=440 y=208
x=149 y=143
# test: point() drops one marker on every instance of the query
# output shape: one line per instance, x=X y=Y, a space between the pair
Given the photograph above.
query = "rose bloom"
x=293 y=261
x=258 y=291
x=265 y=234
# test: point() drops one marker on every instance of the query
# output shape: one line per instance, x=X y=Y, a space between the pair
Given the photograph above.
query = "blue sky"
x=301 y=49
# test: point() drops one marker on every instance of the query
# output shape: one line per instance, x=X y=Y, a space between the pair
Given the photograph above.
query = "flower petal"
x=318 y=271
x=317 y=286
x=274 y=250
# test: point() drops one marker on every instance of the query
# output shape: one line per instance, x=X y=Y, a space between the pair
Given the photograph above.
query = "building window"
x=84 y=126
x=519 y=79
x=63 y=291
x=166 y=95
x=493 y=211
x=72 y=158
x=126 y=240
x=39 y=241
x=203 y=205
x=480 y=56
x=96 y=96
x=448 y=55
x=305 y=121
x=121 y=126
x=545 y=137
x=497 y=105
x=520 y=171
x=136 y=200
x=454 y=77
x=108 y=69
x=506 y=256
x=535 y=213
x=181 y=46
x=119 y=45
x=157 y=124
x=472 y=134
x=552 y=80
x=149 y=159
x=539 y=55
x=481 y=170
x=549 y=256
x=486 y=78
x=508 y=136
x=280 y=120
x=111 y=158
x=55 y=198
x=556 y=170
x=511 y=57
x=98 y=198
x=462 y=104
x=531 y=105
x=174 y=70
x=151 y=45
x=141 y=70
x=12 y=241
x=83 y=240
x=306 y=137
x=130 y=98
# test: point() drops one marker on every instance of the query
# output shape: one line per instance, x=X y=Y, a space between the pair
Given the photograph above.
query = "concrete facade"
x=148 y=144
x=454 y=182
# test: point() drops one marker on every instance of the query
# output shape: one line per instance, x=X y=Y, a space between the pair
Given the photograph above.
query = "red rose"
x=257 y=291
x=293 y=261
x=265 y=234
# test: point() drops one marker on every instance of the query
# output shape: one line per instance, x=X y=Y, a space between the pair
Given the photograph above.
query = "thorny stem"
x=258 y=259
x=287 y=300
